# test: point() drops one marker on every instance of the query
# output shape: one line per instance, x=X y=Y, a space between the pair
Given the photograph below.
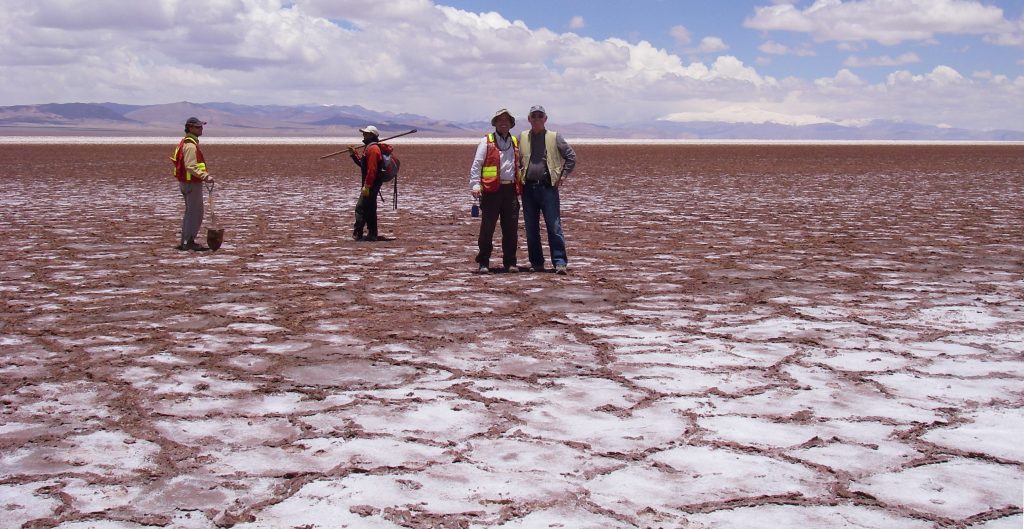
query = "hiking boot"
x=513 y=269
x=195 y=247
x=181 y=247
x=370 y=238
x=535 y=268
x=560 y=269
x=483 y=269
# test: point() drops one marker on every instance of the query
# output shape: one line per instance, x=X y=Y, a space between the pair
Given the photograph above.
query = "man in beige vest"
x=547 y=161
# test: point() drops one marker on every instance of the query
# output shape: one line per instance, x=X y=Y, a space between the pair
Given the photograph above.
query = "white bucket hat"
x=506 y=112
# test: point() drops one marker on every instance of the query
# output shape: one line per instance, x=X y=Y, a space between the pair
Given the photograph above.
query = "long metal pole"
x=362 y=146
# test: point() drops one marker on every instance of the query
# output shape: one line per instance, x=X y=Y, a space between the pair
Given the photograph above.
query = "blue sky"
x=653 y=21
x=956 y=63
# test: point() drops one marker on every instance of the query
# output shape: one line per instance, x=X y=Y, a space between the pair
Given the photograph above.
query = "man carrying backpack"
x=493 y=180
x=369 y=163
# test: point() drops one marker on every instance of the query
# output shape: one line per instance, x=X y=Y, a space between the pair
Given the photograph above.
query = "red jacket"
x=369 y=163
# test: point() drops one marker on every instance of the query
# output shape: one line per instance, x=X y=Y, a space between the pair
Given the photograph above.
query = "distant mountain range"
x=230 y=119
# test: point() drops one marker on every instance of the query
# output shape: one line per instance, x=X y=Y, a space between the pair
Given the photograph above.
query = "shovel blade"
x=214 y=238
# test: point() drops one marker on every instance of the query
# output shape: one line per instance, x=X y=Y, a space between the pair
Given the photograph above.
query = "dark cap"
x=193 y=121
x=537 y=108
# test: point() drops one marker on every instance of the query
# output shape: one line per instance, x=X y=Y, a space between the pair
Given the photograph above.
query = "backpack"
x=387 y=170
x=389 y=164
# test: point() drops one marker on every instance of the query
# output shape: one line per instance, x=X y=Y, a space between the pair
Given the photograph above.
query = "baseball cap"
x=370 y=129
x=538 y=108
x=194 y=121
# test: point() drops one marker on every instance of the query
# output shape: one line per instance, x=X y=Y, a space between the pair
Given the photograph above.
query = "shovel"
x=214 y=234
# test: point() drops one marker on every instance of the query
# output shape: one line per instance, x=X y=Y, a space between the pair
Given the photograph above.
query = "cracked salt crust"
x=766 y=336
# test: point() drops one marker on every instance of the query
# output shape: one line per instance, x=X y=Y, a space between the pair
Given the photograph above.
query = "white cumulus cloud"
x=424 y=57
x=712 y=45
x=747 y=113
x=885 y=21
x=774 y=48
x=680 y=34
x=883 y=60
x=940 y=76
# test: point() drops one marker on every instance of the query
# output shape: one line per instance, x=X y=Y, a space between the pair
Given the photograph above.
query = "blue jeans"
x=538 y=199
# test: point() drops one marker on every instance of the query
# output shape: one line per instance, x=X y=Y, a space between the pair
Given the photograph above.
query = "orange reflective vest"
x=180 y=171
x=490 y=177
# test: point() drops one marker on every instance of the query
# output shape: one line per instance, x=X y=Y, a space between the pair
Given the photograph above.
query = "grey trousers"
x=193 y=219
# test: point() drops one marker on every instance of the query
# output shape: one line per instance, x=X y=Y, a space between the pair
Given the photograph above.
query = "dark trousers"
x=366 y=214
x=501 y=206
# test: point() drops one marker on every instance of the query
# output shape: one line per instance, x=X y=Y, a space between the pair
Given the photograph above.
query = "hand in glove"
x=365 y=191
x=208 y=178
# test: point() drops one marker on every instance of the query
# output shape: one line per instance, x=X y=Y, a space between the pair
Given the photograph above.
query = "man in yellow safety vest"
x=190 y=170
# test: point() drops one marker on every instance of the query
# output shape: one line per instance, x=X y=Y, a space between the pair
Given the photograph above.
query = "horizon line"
x=466 y=140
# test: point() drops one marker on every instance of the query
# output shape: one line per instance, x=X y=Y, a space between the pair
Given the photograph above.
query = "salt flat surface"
x=749 y=336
